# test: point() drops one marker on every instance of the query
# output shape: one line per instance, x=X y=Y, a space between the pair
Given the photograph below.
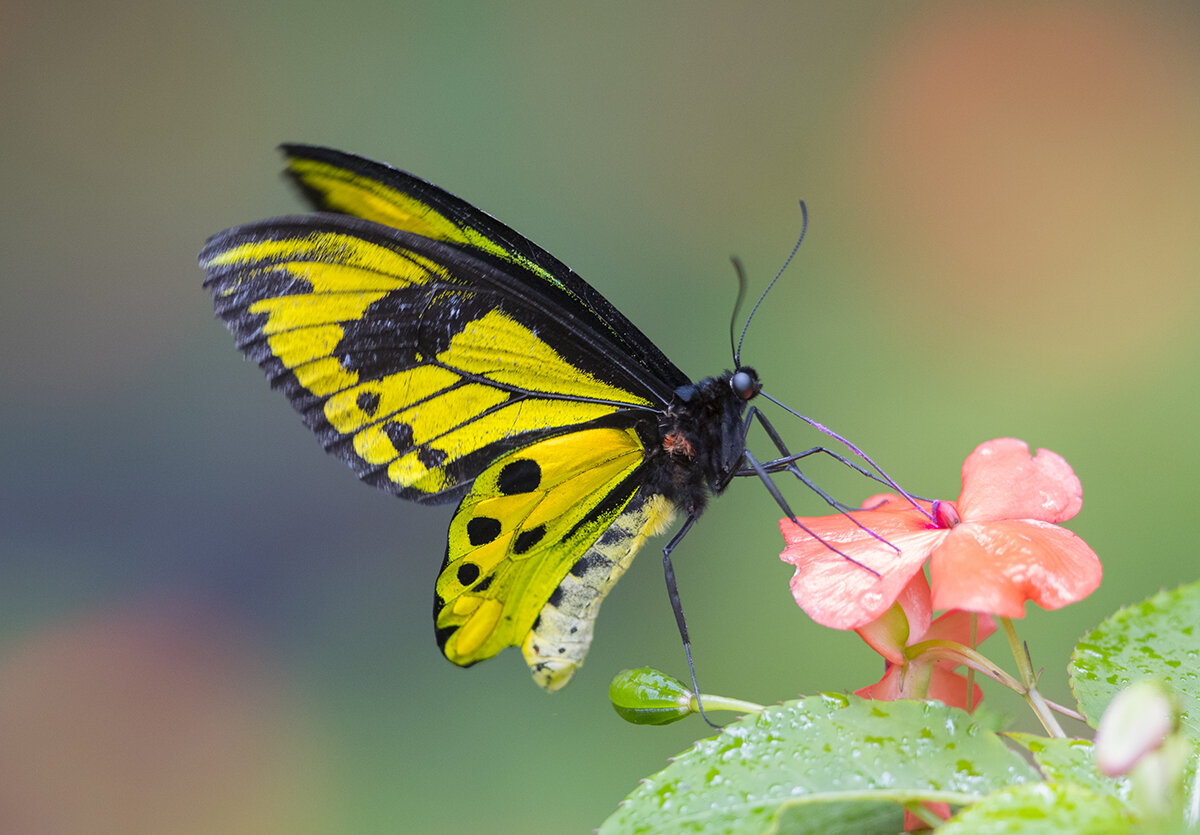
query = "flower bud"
x=645 y=696
x=945 y=514
x=1135 y=723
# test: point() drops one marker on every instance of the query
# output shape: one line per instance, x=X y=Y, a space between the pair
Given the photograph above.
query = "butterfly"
x=445 y=358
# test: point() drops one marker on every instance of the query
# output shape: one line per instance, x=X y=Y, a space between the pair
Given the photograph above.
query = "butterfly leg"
x=878 y=474
x=761 y=471
x=781 y=464
x=788 y=464
x=677 y=607
x=785 y=464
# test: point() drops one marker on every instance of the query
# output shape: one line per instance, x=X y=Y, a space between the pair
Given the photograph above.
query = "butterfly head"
x=745 y=383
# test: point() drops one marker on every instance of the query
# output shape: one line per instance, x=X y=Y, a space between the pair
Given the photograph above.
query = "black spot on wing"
x=398 y=330
x=527 y=539
x=375 y=347
x=431 y=458
x=468 y=573
x=400 y=434
x=520 y=476
x=483 y=529
x=408 y=326
x=368 y=402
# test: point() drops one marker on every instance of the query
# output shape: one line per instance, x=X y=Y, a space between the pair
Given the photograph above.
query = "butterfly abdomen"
x=559 y=639
x=690 y=452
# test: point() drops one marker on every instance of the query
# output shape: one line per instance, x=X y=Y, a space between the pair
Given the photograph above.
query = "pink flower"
x=906 y=624
x=996 y=547
x=924 y=676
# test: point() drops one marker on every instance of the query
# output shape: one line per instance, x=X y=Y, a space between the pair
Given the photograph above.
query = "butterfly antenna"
x=803 y=229
x=737 y=306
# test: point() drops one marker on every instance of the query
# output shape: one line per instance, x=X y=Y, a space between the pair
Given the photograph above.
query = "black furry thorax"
x=699 y=440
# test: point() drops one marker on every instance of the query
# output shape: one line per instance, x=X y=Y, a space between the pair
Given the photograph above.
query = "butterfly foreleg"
x=784 y=464
x=787 y=463
x=788 y=457
x=677 y=606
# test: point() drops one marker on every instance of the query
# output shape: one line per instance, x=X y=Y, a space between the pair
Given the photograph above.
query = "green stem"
x=1019 y=654
x=973 y=643
x=726 y=703
x=1029 y=681
x=1065 y=711
x=972 y=659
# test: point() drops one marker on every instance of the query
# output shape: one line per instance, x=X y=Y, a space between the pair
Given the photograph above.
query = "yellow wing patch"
x=488 y=381
x=350 y=192
x=331 y=262
x=451 y=405
x=523 y=527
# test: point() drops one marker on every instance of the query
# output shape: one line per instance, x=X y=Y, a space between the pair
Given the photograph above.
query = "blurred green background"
x=207 y=625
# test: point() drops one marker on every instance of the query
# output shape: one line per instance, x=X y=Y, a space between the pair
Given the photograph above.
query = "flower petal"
x=921 y=681
x=887 y=689
x=994 y=567
x=903 y=624
x=848 y=593
x=1001 y=480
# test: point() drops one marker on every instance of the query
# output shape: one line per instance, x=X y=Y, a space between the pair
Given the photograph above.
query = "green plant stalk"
x=1028 y=687
x=974 y=660
x=974 y=642
x=724 y=703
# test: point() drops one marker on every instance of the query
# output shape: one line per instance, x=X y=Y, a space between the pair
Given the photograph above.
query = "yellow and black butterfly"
x=445 y=358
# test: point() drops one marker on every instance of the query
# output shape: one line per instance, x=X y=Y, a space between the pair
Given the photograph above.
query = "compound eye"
x=744 y=384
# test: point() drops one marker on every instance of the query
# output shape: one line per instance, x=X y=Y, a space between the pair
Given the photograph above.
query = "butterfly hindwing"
x=527 y=561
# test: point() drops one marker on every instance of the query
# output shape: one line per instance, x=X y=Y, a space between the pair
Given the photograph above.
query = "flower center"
x=945 y=514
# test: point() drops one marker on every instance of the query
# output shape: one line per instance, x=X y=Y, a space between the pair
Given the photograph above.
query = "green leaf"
x=1071 y=761
x=1158 y=638
x=1041 y=809
x=845 y=759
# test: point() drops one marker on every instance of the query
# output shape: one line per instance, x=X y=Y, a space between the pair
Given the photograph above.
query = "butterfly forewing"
x=403 y=362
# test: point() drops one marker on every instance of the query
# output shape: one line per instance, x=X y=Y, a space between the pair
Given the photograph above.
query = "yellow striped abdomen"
x=556 y=645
